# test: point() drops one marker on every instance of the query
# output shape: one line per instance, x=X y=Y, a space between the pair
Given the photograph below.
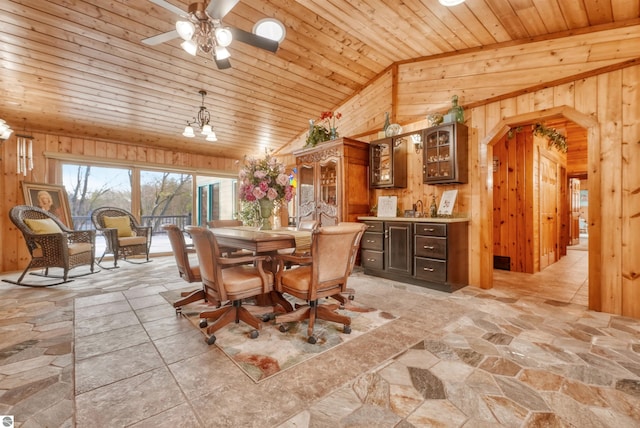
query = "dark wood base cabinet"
x=433 y=255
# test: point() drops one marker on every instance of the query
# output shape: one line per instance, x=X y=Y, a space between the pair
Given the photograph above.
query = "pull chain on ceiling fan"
x=201 y=29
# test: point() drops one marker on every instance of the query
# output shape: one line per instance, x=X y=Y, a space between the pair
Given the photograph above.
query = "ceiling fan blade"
x=161 y=38
x=170 y=7
x=223 y=63
x=218 y=9
x=254 y=39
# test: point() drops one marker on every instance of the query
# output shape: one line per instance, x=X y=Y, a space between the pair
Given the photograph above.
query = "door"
x=548 y=211
x=398 y=247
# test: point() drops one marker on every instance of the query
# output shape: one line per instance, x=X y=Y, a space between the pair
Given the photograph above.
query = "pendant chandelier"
x=201 y=121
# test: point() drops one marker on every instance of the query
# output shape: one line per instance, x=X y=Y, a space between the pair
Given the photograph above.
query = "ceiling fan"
x=201 y=28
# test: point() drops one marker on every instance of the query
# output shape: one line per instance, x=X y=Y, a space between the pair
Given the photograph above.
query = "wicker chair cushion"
x=132 y=240
x=74 y=248
x=122 y=223
x=42 y=226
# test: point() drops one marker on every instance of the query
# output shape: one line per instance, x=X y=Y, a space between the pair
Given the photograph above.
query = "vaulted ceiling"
x=78 y=67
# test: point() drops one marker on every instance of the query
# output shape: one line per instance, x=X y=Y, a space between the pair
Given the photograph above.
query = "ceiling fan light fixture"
x=221 y=53
x=188 y=131
x=185 y=29
x=223 y=36
x=190 y=47
x=270 y=28
x=449 y=3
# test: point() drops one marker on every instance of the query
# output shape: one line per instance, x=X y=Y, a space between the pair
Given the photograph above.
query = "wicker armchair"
x=52 y=244
x=123 y=236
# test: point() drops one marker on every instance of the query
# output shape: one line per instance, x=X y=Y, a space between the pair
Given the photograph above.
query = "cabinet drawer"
x=431 y=229
x=430 y=269
x=428 y=246
x=372 y=241
x=372 y=259
x=374 y=226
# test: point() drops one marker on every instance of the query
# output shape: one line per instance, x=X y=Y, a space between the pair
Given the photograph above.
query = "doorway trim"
x=486 y=197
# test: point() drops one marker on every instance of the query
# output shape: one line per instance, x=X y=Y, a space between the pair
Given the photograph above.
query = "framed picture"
x=49 y=197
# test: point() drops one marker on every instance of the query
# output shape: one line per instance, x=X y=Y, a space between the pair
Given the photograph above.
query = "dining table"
x=264 y=242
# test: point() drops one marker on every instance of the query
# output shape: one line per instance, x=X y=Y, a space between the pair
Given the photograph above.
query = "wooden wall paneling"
x=564 y=205
x=512 y=206
x=522 y=234
x=500 y=199
x=531 y=204
x=610 y=207
x=631 y=192
x=563 y=94
x=476 y=169
x=543 y=99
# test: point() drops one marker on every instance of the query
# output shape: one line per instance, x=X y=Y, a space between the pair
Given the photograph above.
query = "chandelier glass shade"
x=5 y=130
x=201 y=121
x=207 y=36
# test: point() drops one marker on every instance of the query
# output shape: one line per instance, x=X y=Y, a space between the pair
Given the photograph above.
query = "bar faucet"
x=415 y=208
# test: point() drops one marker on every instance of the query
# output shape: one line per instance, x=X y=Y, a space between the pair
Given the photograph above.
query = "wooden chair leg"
x=227 y=316
x=190 y=297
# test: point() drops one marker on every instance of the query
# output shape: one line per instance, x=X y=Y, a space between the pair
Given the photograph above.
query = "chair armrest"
x=142 y=230
x=82 y=236
x=296 y=259
x=235 y=261
x=46 y=242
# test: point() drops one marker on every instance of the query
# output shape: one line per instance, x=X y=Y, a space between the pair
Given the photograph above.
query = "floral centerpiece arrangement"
x=326 y=130
x=263 y=187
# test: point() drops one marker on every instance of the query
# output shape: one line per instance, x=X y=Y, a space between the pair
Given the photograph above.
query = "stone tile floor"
x=106 y=350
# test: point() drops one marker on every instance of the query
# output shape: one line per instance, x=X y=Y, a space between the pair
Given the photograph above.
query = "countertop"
x=419 y=219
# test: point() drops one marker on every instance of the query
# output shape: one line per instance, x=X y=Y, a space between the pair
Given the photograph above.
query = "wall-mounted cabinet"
x=388 y=162
x=445 y=154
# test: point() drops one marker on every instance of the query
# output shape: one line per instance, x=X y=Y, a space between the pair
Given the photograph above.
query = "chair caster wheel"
x=352 y=297
x=312 y=340
x=203 y=323
x=346 y=329
x=178 y=311
x=267 y=317
x=211 y=340
x=283 y=328
x=254 y=334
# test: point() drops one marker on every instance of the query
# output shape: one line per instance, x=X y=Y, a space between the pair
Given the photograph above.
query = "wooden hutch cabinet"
x=332 y=181
x=445 y=154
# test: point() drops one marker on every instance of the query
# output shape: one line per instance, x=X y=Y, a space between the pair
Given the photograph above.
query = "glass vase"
x=333 y=134
x=266 y=211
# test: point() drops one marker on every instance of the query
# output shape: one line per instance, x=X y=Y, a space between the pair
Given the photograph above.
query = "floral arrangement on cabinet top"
x=326 y=129
x=262 y=181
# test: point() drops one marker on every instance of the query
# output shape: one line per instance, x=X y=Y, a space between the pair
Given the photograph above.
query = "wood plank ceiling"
x=78 y=67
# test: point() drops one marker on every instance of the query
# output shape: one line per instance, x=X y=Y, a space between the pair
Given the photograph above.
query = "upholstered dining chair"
x=231 y=280
x=123 y=236
x=52 y=244
x=321 y=274
x=187 y=269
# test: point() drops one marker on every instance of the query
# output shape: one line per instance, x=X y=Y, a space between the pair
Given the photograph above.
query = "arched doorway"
x=486 y=199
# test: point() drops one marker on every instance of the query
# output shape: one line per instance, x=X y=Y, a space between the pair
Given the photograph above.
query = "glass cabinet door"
x=381 y=163
x=328 y=196
x=438 y=155
x=306 y=192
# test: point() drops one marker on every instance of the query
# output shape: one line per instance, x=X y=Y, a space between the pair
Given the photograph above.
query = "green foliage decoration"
x=556 y=139
x=317 y=134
